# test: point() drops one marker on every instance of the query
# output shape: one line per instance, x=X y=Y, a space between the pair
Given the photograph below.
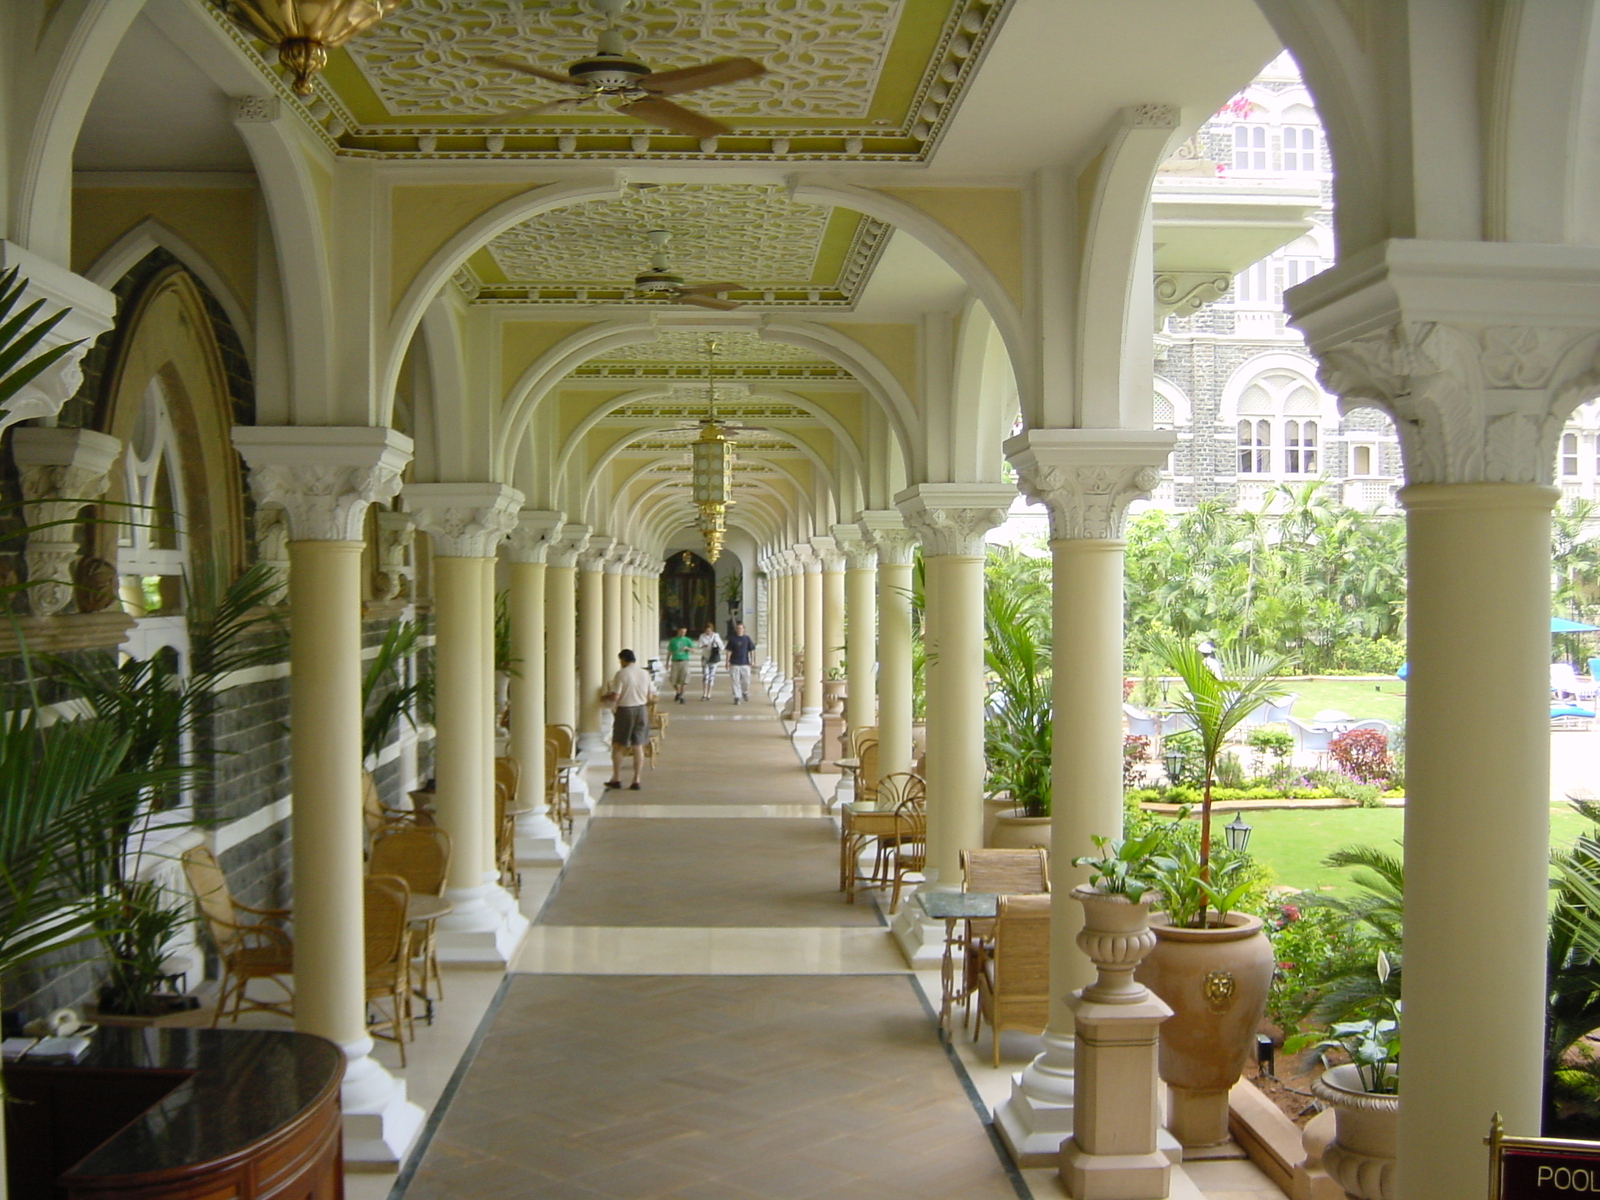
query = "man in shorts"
x=740 y=647
x=679 y=647
x=630 y=691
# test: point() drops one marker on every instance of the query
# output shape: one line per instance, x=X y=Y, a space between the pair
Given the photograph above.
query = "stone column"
x=861 y=635
x=951 y=519
x=832 y=561
x=1479 y=351
x=539 y=840
x=1087 y=479
x=561 y=625
x=61 y=470
x=896 y=545
x=323 y=479
x=614 y=597
x=592 y=672
x=466 y=522
x=782 y=635
x=811 y=635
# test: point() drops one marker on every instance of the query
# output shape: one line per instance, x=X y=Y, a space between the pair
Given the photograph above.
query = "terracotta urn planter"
x=1215 y=980
x=834 y=693
x=1012 y=831
x=1360 y=1159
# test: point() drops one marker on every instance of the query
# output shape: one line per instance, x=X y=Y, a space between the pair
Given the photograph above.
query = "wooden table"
x=951 y=907
x=858 y=825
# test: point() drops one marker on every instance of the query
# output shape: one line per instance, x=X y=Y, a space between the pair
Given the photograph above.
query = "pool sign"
x=1541 y=1168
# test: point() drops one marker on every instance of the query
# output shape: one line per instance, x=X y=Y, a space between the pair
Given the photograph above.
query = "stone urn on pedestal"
x=1216 y=979
x=1361 y=1157
x=834 y=694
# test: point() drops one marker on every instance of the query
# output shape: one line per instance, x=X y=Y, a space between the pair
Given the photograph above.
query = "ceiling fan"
x=660 y=280
x=710 y=421
x=610 y=74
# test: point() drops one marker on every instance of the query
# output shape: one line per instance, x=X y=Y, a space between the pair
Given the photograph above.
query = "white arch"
x=1182 y=406
x=824 y=472
x=150 y=234
x=1301 y=365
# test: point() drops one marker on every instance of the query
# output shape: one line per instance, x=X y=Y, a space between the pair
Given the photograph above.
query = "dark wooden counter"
x=197 y=1114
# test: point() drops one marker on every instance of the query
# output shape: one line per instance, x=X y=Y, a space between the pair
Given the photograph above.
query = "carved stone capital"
x=952 y=518
x=886 y=529
x=272 y=550
x=323 y=477
x=90 y=311
x=596 y=553
x=617 y=561
x=829 y=555
x=1088 y=477
x=568 y=545
x=806 y=560
x=859 y=552
x=536 y=530
x=1420 y=330
x=465 y=520
x=1185 y=292
x=396 y=531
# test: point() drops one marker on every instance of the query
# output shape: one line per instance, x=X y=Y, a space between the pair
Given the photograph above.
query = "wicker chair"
x=1006 y=872
x=1014 y=983
x=566 y=740
x=422 y=858
x=386 y=939
x=658 y=734
x=378 y=816
x=557 y=800
x=508 y=771
x=248 y=950
x=866 y=772
x=505 y=840
x=905 y=851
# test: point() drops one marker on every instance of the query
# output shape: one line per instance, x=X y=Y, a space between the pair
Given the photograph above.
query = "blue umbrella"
x=1562 y=625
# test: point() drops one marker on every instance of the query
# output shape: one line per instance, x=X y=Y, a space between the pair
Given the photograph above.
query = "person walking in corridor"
x=679 y=647
x=630 y=691
x=710 y=658
x=740 y=647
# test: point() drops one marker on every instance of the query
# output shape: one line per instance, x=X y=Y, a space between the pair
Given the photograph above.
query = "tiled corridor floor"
x=697 y=1015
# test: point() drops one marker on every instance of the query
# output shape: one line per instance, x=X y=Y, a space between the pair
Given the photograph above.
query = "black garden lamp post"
x=1237 y=833
x=1173 y=757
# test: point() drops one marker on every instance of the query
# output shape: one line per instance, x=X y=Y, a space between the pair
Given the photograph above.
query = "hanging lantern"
x=305 y=30
x=713 y=524
x=713 y=466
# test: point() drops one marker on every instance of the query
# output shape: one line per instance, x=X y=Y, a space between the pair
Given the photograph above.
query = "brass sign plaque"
x=1531 y=1168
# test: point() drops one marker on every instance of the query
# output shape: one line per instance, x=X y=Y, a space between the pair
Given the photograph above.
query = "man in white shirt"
x=629 y=692
x=710 y=659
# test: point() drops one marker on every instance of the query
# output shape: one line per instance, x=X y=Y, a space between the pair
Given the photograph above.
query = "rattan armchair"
x=387 y=953
x=557 y=800
x=1014 y=982
x=505 y=839
x=904 y=851
x=1002 y=871
x=248 y=949
x=422 y=858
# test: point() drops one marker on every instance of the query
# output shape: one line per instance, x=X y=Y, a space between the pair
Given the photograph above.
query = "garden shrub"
x=1362 y=754
x=1270 y=740
x=1370 y=656
x=1135 y=754
x=1191 y=766
x=1230 y=772
x=1311 y=945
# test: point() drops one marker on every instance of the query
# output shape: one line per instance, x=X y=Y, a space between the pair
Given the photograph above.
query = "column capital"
x=566 y=547
x=617 y=560
x=859 y=552
x=465 y=520
x=806 y=560
x=951 y=518
x=1088 y=477
x=596 y=552
x=60 y=470
x=396 y=531
x=828 y=553
x=886 y=529
x=1480 y=351
x=323 y=476
x=89 y=311
x=536 y=530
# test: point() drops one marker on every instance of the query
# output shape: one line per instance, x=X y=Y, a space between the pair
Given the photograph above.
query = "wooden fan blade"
x=711 y=289
x=532 y=110
x=511 y=64
x=655 y=111
x=703 y=75
x=706 y=301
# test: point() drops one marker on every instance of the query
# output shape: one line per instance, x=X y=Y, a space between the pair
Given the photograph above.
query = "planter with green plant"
x=1018 y=708
x=1116 y=911
x=1212 y=965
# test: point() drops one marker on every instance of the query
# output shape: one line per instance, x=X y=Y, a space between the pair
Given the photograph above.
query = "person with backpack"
x=710 y=658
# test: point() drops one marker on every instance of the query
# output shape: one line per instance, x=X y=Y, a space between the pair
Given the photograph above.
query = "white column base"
x=1037 y=1117
x=919 y=936
x=591 y=745
x=809 y=725
x=477 y=933
x=380 y=1124
x=539 y=841
x=578 y=798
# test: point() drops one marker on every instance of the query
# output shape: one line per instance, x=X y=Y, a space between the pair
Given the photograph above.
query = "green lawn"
x=1361 y=698
x=1293 y=842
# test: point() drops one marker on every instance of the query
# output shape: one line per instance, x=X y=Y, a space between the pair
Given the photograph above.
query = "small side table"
x=951 y=907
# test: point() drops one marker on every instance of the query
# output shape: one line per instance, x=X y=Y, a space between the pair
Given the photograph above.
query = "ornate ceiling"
x=679 y=354
x=862 y=80
x=788 y=253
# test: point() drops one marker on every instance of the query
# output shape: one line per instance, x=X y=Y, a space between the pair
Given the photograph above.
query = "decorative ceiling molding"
x=842 y=83
x=785 y=251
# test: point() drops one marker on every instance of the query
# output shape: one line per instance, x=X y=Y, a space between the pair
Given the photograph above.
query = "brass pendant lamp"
x=305 y=30
x=713 y=467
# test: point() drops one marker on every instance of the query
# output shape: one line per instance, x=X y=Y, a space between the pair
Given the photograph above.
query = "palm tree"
x=1017 y=658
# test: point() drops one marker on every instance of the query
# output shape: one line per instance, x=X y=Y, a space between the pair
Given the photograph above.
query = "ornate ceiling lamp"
x=305 y=30
x=713 y=466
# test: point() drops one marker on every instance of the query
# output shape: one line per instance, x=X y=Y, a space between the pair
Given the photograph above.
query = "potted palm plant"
x=1017 y=710
x=1213 y=966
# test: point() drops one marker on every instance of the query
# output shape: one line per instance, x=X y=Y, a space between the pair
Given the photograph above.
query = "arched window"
x=1299 y=149
x=1249 y=147
x=1280 y=409
x=1300 y=448
x=1569 y=456
x=151 y=544
x=1255 y=447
